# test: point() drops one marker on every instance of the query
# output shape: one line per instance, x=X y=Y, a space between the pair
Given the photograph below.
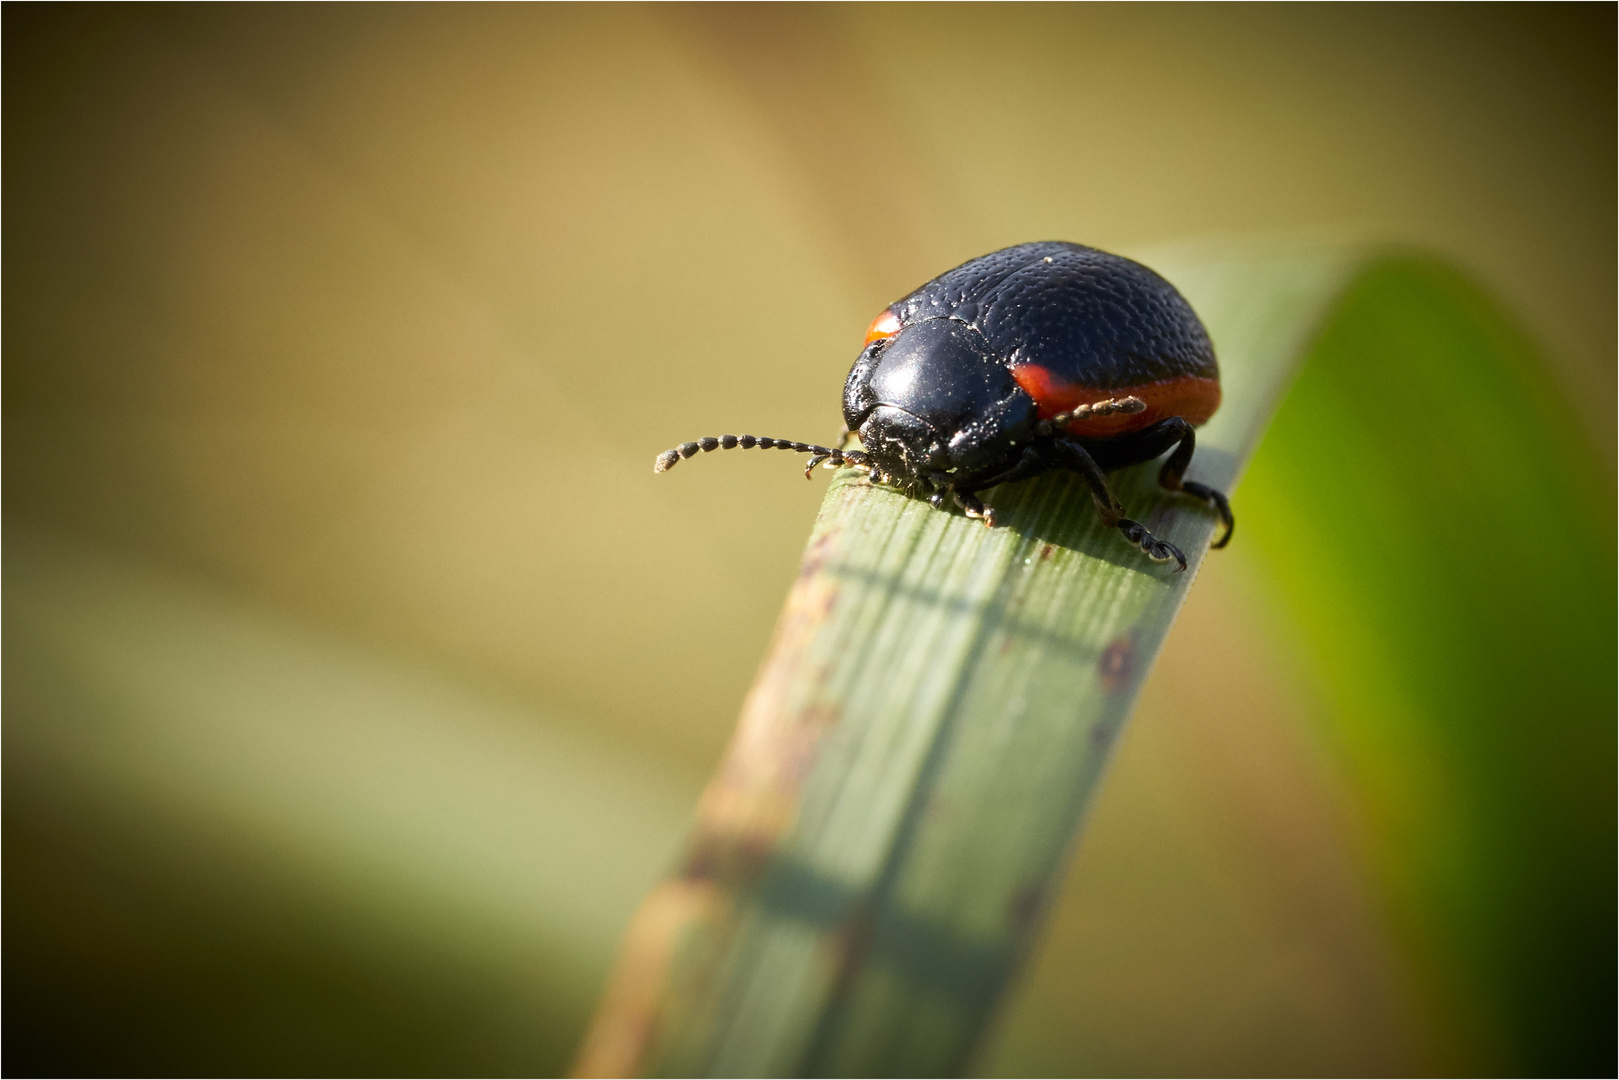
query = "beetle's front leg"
x=1030 y=463
x=970 y=504
x=973 y=507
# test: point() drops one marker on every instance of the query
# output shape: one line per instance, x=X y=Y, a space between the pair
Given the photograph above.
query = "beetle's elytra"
x=1036 y=357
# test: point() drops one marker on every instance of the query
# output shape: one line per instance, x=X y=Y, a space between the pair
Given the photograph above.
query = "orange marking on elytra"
x=1189 y=396
x=885 y=325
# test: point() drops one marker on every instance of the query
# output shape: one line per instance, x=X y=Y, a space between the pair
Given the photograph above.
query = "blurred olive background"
x=359 y=676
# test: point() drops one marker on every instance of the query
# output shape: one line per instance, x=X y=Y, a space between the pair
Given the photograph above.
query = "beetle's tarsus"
x=1155 y=549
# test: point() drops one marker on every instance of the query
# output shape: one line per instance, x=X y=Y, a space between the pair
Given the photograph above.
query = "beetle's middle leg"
x=1077 y=458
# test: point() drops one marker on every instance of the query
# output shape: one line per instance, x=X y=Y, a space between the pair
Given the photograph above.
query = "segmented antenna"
x=670 y=458
x=1126 y=405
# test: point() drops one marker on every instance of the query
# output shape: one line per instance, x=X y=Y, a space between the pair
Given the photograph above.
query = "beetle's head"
x=932 y=396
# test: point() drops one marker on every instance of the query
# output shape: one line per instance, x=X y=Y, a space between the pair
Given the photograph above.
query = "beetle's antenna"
x=1125 y=405
x=670 y=458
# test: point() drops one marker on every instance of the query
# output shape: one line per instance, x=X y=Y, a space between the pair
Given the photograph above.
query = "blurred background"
x=359 y=676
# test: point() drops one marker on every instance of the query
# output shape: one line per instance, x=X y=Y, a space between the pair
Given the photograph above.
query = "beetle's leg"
x=843 y=438
x=1170 y=476
x=971 y=505
x=1077 y=458
x=973 y=508
x=1217 y=500
x=1149 y=442
x=1031 y=463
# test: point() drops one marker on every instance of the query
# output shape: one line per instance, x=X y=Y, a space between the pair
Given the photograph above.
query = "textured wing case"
x=1088 y=317
x=1076 y=325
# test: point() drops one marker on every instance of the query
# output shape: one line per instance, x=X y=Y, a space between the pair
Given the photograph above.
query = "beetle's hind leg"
x=1217 y=500
x=1078 y=459
x=1149 y=442
x=1171 y=475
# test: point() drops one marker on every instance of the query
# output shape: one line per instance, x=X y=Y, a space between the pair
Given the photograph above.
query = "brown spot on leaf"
x=851 y=942
x=1025 y=907
x=729 y=860
x=1117 y=664
x=1047 y=551
x=815 y=556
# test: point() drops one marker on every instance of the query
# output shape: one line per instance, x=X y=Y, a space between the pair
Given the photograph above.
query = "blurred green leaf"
x=1442 y=533
x=237 y=845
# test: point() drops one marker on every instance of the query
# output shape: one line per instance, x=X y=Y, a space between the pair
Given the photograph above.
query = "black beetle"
x=1036 y=357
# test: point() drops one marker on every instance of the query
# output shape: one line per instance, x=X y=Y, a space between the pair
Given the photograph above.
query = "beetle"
x=1041 y=356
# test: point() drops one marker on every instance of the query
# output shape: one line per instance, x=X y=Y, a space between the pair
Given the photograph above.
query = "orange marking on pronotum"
x=885 y=325
x=1189 y=396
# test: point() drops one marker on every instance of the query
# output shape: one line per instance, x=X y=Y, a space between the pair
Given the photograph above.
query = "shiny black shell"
x=1087 y=317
